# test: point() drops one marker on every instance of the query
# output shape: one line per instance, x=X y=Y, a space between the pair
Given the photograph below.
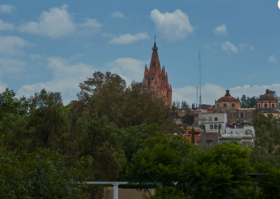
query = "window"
x=225 y=105
x=215 y=126
x=208 y=142
x=195 y=119
x=218 y=105
x=259 y=105
x=273 y=106
x=204 y=119
x=265 y=106
x=211 y=126
x=210 y=118
x=233 y=105
x=241 y=115
x=203 y=126
x=216 y=119
x=220 y=126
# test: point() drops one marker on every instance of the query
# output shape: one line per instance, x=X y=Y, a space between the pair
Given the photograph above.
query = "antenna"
x=200 y=102
x=155 y=38
x=196 y=96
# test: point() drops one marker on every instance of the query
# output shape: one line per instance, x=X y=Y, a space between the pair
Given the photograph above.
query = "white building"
x=244 y=135
x=212 y=122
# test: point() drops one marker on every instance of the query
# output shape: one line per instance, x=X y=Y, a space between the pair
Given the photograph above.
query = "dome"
x=228 y=98
x=267 y=97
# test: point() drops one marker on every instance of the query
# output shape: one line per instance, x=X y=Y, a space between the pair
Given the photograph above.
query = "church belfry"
x=156 y=79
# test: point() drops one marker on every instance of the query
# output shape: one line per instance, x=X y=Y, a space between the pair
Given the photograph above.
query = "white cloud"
x=211 y=92
x=245 y=46
x=128 y=38
x=272 y=59
x=55 y=23
x=6 y=8
x=118 y=15
x=91 y=23
x=6 y=25
x=128 y=68
x=220 y=30
x=89 y=26
x=11 y=45
x=172 y=26
x=227 y=46
x=11 y=65
x=66 y=78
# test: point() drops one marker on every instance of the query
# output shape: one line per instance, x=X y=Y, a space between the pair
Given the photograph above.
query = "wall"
x=128 y=193
x=222 y=119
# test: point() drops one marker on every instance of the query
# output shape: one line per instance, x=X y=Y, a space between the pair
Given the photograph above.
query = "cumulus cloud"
x=128 y=38
x=12 y=45
x=212 y=92
x=128 y=68
x=6 y=25
x=272 y=59
x=6 y=8
x=245 y=46
x=89 y=26
x=55 y=23
x=220 y=30
x=66 y=78
x=117 y=15
x=172 y=26
x=227 y=46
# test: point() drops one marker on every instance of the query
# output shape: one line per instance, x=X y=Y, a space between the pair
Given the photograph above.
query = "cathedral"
x=156 y=79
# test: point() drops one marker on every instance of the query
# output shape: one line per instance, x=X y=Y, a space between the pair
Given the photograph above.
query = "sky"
x=58 y=44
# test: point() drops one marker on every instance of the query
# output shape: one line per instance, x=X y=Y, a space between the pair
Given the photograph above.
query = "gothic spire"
x=155 y=65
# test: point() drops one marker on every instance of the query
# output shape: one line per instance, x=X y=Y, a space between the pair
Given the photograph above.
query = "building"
x=244 y=135
x=231 y=106
x=156 y=79
x=213 y=122
x=268 y=104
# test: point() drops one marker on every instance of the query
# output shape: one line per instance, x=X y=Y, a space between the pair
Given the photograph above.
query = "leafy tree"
x=272 y=93
x=269 y=184
x=107 y=94
x=40 y=174
x=243 y=98
x=10 y=104
x=219 y=173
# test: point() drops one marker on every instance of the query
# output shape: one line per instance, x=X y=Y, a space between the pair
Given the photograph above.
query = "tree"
x=243 y=98
x=40 y=174
x=270 y=182
x=219 y=173
x=272 y=93
x=158 y=161
x=107 y=94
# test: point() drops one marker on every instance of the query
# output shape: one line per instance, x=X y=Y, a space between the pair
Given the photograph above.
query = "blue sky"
x=58 y=44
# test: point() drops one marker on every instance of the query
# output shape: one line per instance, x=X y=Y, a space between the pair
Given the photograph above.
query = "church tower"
x=156 y=79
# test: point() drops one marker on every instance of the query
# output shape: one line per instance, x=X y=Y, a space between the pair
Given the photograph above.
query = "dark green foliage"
x=40 y=174
x=219 y=173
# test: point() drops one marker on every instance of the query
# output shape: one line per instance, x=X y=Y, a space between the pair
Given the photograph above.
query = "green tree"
x=219 y=173
x=40 y=174
x=107 y=94
x=269 y=183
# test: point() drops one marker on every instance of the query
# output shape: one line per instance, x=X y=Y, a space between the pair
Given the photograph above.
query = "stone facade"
x=231 y=106
x=213 y=122
x=268 y=104
x=156 y=79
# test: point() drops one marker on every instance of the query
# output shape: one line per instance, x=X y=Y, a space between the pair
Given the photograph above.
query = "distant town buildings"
x=156 y=79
